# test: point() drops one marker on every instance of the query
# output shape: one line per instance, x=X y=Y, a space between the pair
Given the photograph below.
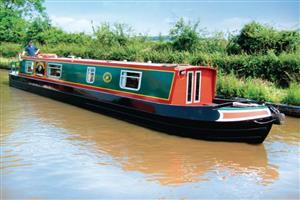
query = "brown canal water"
x=53 y=150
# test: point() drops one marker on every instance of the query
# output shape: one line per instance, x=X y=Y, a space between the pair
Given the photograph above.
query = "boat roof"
x=78 y=60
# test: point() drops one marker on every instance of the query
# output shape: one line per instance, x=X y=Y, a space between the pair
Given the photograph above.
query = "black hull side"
x=247 y=131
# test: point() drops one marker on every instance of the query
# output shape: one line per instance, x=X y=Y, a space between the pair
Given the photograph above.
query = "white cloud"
x=229 y=25
x=85 y=23
x=70 y=24
x=292 y=25
x=235 y=24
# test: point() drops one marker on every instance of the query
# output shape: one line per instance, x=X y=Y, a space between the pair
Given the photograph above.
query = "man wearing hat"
x=30 y=49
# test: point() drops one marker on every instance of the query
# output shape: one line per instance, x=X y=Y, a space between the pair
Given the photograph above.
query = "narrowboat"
x=173 y=98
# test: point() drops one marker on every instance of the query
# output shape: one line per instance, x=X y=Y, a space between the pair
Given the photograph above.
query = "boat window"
x=130 y=80
x=29 y=67
x=189 y=88
x=197 y=86
x=90 y=74
x=54 y=70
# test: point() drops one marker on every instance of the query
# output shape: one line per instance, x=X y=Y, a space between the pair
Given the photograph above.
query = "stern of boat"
x=237 y=111
x=255 y=120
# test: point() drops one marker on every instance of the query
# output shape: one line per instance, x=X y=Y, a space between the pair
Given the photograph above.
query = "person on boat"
x=30 y=49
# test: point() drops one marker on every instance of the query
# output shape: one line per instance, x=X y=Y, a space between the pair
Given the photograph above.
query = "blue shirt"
x=31 y=50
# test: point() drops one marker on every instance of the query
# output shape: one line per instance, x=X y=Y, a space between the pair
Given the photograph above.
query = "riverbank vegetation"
x=259 y=62
x=229 y=86
x=292 y=96
x=5 y=62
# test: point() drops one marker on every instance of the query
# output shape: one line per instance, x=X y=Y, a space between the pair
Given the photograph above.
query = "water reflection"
x=289 y=132
x=40 y=124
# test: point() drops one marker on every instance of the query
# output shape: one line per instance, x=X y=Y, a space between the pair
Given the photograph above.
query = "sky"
x=158 y=16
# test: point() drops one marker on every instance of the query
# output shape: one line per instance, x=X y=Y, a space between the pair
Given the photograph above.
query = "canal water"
x=53 y=150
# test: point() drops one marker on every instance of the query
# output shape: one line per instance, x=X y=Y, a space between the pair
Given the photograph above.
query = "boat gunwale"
x=163 y=101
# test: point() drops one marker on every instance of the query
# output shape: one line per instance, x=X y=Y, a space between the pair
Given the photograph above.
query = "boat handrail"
x=244 y=103
x=222 y=105
x=241 y=104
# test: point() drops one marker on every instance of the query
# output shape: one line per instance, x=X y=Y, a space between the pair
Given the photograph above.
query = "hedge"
x=281 y=69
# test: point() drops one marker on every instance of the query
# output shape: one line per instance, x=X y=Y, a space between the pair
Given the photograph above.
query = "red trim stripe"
x=232 y=115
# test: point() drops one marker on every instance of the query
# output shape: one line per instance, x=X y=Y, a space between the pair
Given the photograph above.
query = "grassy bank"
x=292 y=95
x=230 y=86
x=5 y=62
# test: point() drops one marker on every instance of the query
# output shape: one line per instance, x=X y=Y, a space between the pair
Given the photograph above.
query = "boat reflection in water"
x=168 y=160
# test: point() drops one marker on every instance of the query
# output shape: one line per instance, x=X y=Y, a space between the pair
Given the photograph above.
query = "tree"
x=26 y=8
x=54 y=35
x=289 y=41
x=108 y=36
x=256 y=38
x=12 y=26
x=185 y=36
x=232 y=46
x=36 y=30
x=13 y=15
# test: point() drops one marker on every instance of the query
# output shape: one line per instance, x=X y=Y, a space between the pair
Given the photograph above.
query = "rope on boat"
x=277 y=115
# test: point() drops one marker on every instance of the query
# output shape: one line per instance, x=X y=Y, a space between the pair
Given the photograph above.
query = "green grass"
x=292 y=94
x=228 y=85
x=5 y=62
x=262 y=90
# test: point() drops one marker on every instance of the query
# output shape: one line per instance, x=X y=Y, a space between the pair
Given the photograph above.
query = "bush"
x=184 y=36
x=65 y=50
x=9 y=50
x=256 y=38
x=278 y=69
x=5 y=62
x=261 y=90
x=293 y=94
x=230 y=86
x=213 y=44
x=109 y=36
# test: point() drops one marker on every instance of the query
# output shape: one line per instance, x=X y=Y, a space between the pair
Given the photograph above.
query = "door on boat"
x=39 y=69
x=193 y=87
